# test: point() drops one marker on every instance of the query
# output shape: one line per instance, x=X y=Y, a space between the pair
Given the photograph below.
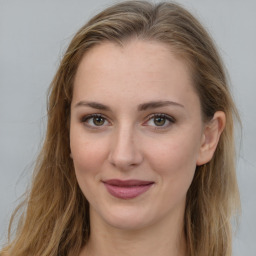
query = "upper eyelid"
x=147 y=118
x=165 y=127
x=85 y=122
x=86 y=117
x=161 y=115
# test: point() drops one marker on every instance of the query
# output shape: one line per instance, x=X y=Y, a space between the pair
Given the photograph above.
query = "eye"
x=159 y=121
x=95 y=120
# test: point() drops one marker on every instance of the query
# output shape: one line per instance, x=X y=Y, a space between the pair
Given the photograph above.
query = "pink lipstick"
x=127 y=189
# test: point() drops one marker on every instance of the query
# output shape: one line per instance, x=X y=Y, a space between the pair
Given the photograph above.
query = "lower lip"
x=127 y=192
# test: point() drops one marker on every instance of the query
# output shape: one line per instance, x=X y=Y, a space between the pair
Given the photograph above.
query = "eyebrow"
x=158 y=104
x=92 y=104
x=141 y=107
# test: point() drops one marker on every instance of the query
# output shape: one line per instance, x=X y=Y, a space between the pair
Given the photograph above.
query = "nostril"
x=124 y=150
x=124 y=160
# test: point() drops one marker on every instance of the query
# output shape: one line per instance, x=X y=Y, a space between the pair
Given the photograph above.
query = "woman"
x=138 y=157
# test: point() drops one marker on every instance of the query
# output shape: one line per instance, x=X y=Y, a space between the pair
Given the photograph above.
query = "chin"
x=126 y=218
x=130 y=223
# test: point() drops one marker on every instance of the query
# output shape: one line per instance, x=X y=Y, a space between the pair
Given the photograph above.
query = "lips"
x=127 y=189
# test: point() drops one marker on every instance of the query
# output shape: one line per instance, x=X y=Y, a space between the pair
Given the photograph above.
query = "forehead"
x=150 y=55
x=138 y=69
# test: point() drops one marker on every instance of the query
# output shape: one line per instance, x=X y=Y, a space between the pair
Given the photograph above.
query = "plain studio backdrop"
x=33 y=37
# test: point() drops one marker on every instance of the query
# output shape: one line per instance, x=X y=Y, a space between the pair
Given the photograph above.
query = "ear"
x=210 y=137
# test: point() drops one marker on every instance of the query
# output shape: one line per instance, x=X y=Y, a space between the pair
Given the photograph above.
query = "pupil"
x=159 y=121
x=98 y=120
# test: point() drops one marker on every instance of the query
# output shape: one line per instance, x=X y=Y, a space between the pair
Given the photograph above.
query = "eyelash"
x=91 y=116
x=168 y=118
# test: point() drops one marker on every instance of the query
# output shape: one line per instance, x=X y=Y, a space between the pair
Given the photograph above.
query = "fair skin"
x=148 y=127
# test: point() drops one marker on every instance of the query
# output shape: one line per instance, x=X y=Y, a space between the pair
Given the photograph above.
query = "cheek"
x=174 y=159
x=88 y=157
x=88 y=154
x=175 y=165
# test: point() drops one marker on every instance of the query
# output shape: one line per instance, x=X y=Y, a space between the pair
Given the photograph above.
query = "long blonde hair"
x=56 y=220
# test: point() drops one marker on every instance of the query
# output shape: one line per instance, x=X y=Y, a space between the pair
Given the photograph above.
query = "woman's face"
x=136 y=133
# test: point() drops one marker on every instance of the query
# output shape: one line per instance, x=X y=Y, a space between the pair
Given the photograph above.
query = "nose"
x=124 y=152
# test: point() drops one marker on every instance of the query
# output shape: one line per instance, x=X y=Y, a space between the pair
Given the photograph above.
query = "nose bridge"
x=124 y=151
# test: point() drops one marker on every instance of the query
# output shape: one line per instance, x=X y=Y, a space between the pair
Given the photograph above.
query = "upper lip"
x=127 y=183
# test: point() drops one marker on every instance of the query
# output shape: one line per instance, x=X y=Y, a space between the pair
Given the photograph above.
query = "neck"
x=164 y=238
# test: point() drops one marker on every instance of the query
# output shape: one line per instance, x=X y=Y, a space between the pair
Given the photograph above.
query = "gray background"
x=33 y=37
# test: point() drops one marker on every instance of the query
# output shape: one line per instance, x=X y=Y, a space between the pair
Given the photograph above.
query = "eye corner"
x=164 y=121
x=95 y=121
